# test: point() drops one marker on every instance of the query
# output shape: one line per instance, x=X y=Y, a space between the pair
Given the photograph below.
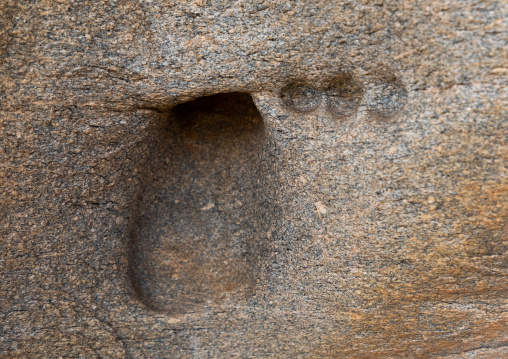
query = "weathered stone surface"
x=343 y=194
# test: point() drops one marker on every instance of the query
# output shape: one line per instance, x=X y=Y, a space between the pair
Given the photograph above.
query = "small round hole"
x=301 y=98
x=344 y=96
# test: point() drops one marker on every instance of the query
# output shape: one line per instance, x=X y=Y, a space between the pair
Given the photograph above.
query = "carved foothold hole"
x=300 y=97
x=344 y=96
x=202 y=233
x=386 y=97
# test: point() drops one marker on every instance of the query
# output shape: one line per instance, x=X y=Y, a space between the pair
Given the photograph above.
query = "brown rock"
x=341 y=193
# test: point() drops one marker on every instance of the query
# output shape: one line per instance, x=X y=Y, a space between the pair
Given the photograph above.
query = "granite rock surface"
x=253 y=179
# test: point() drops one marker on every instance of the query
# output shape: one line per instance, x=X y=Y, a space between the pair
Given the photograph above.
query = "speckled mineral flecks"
x=354 y=152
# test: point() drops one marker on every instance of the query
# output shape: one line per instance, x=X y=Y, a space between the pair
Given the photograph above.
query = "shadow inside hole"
x=208 y=208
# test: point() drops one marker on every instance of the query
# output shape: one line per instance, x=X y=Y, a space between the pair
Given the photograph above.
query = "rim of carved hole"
x=205 y=221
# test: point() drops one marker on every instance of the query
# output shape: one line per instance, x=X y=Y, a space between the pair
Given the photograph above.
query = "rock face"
x=216 y=179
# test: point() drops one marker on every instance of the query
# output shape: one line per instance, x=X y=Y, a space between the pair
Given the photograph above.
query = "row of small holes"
x=385 y=97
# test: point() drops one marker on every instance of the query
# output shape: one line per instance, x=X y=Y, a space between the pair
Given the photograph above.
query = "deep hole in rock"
x=205 y=220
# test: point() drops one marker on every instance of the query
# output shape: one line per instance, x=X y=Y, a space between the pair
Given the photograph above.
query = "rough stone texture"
x=360 y=211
